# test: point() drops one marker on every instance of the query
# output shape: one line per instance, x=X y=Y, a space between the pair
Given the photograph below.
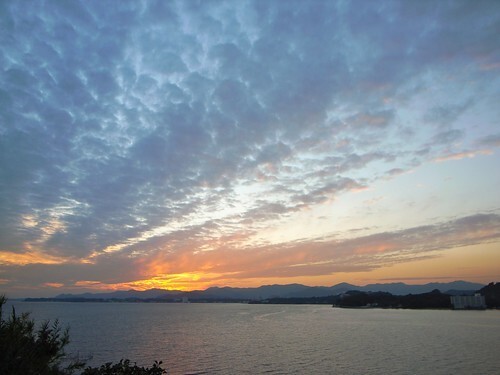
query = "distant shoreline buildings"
x=475 y=302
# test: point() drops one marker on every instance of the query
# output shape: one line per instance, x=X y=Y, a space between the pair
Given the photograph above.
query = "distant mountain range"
x=280 y=291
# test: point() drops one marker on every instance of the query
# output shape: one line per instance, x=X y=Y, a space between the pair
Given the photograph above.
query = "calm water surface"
x=280 y=339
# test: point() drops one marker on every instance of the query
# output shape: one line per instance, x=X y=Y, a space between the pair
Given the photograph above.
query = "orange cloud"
x=376 y=248
x=54 y=285
x=184 y=266
x=463 y=155
x=31 y=257
x=230 y=264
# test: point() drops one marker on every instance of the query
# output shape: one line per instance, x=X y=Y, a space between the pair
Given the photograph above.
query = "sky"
x=189 y=144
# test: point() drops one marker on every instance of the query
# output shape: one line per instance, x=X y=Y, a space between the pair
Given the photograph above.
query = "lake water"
x=280 y=339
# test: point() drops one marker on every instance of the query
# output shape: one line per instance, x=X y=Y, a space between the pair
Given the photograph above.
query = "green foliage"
x=124 y=367
x=25 y=350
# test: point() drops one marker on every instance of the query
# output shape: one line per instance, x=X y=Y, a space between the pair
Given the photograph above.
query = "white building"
x=475 y=302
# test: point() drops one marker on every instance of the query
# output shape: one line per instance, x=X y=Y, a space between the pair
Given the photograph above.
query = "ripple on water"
x=252 y=339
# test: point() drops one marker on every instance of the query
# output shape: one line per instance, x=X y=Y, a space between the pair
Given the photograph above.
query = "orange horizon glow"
x=475 y=263
x=445 y=267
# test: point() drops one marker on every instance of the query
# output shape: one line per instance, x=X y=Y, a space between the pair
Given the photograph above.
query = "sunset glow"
x=167 y=145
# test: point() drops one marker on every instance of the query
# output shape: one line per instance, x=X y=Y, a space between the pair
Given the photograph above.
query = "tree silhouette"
x=26 y=350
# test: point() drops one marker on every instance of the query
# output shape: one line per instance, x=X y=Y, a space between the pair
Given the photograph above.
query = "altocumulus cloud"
x=162 y=130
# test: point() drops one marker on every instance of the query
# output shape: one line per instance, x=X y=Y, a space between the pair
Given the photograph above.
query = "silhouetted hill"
x=432 y=300
x=403 y=289
x=265 y=291
x=274 y=291
x=123 y=294
x=491 y=292
x=454 y=292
